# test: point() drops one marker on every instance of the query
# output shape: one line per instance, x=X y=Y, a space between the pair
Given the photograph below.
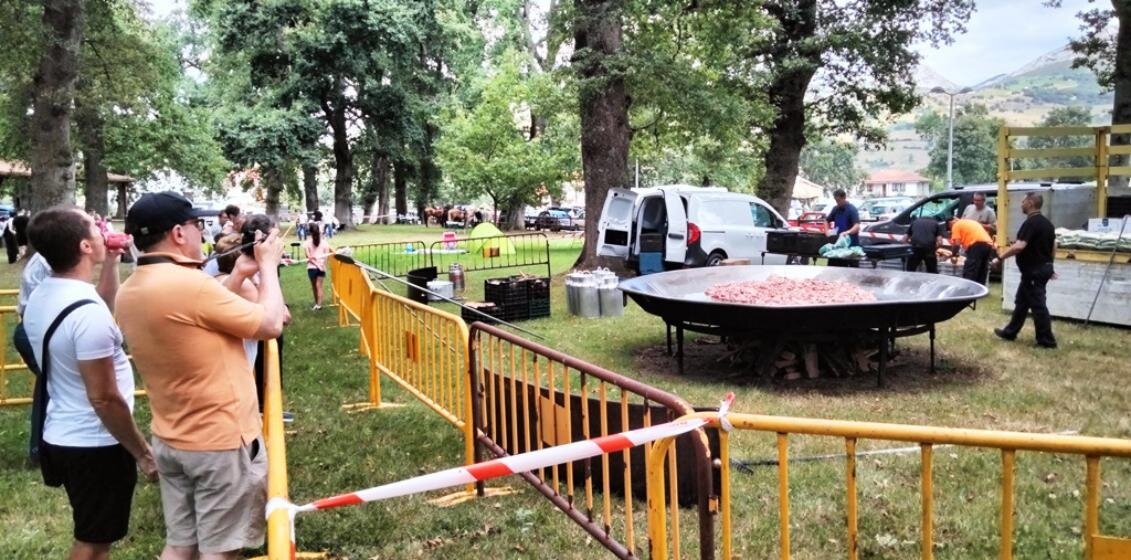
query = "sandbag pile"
x=1093 y=240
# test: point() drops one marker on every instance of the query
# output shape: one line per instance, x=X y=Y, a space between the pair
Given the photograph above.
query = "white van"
x=690 y=226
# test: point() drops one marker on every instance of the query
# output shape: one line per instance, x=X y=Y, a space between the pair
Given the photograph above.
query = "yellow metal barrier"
x=424 y=350
x=6 y=399
x=7 y=313
x=279 y=538
x=1096 y=546
x=350 y=287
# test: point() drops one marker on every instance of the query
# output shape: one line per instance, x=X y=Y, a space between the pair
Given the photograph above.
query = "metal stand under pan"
x=884 y=337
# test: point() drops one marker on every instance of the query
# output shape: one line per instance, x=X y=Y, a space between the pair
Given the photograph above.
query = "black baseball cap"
x=159 y=212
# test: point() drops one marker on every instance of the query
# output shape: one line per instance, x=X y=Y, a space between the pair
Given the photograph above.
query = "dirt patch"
x=708 y=357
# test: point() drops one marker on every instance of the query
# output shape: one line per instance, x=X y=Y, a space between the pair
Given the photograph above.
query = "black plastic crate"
x=652 y=243
x=509 y=295
x=519 y=297
x=486 y=307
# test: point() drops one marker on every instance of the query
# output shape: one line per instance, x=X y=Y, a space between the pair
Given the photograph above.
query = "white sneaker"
x=316 y=308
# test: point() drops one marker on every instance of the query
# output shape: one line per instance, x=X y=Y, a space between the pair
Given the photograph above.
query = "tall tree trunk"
x=123 y=200
x=428 y=175
x=273 y=182
x=343 y=163
x=52 y=161
x=796 y=64
x=90 y=128
x=605 y=134
x=1121 y=80
x=372 y=190
x=515 y=215
x=383 y=188
x=401 y=172
x=310 y=186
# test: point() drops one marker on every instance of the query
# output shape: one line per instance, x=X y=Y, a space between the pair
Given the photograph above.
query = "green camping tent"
x=485 y=232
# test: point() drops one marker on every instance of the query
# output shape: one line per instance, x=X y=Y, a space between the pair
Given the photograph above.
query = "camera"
x=254 y=223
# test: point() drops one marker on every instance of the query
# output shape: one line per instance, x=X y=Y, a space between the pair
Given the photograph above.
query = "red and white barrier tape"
x=514 y=464
x=885 y=236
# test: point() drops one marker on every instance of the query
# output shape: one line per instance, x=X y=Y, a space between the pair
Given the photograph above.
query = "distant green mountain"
x=1022 y=98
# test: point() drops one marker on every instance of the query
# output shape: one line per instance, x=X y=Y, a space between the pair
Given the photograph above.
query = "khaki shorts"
x=213 y=500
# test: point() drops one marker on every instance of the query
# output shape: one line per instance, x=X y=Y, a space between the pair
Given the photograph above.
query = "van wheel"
x=716 y=258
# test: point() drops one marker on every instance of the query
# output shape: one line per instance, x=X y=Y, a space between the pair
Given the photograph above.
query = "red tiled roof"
x=894 y=176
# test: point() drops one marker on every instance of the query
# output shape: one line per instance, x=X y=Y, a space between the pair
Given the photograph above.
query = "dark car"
x=554 y=221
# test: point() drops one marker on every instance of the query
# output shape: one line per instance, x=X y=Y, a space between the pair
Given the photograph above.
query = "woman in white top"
x=317 y=250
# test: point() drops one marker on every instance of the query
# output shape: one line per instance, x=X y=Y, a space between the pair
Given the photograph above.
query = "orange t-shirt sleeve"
x=221 y=310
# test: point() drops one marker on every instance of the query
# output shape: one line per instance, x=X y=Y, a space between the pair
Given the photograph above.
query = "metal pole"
x=1107 y=270
x=950 y=147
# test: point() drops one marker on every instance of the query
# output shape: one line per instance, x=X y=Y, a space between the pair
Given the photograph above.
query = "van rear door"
x=615 y=225
x=675 y=249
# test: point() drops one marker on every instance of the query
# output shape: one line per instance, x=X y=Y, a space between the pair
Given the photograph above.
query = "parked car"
x=875 y=209
x=690 y=226
x=1066 y=204
x=557 y=220
x=811 y=221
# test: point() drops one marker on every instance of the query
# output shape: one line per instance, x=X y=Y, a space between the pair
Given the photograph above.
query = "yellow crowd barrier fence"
x=1092 y=449
x=421 y=349
x=7 y=318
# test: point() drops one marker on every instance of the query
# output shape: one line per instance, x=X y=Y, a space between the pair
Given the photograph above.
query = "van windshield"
x=941 y=208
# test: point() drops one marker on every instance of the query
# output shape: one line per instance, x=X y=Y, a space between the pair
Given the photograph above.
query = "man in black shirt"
x=1034 y=248
x=925 y=236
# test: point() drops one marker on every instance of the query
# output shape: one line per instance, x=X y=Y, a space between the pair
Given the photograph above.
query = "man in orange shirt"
x=978 y=246
x=186 y=333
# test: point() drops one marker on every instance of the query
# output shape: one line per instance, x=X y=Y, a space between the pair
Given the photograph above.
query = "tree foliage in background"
x=490 y=150
x=325 y=55
x=831 y=164
x=134 y=108
x=1062 y=116
x=1108 y=55
x=975 y=144
x=694 y=94
x=835 y=67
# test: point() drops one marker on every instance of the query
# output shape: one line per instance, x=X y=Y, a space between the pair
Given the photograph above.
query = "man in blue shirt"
x=844 y=217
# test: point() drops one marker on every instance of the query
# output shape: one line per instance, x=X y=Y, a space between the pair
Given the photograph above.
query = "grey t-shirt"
x=984 y=216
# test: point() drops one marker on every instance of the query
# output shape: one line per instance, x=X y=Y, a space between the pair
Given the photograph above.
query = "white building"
x=895 y=182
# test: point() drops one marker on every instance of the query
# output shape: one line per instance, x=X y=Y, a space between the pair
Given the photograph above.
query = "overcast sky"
x=1002 y=36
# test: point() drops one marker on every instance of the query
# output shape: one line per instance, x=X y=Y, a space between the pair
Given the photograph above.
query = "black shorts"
x=313 y=273
x=100 y=486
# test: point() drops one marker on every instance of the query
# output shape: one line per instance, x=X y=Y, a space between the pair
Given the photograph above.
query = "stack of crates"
x=519 y=297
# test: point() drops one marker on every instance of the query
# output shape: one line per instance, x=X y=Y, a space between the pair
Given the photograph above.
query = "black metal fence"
x=490 y=253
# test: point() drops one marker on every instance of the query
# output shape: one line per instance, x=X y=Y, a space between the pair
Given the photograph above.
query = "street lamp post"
x=950 y=136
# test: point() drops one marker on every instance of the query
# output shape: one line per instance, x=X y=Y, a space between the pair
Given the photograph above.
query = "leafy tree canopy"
x=975 y=145
x=488 y=149
x=831 y=164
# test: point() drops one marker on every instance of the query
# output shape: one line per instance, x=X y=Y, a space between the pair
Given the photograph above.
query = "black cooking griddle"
x=903 y=299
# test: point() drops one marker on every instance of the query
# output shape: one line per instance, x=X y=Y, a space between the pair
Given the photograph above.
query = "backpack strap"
x=40 y=397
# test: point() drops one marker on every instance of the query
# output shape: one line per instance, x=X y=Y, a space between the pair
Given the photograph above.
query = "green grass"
x=983 y=383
